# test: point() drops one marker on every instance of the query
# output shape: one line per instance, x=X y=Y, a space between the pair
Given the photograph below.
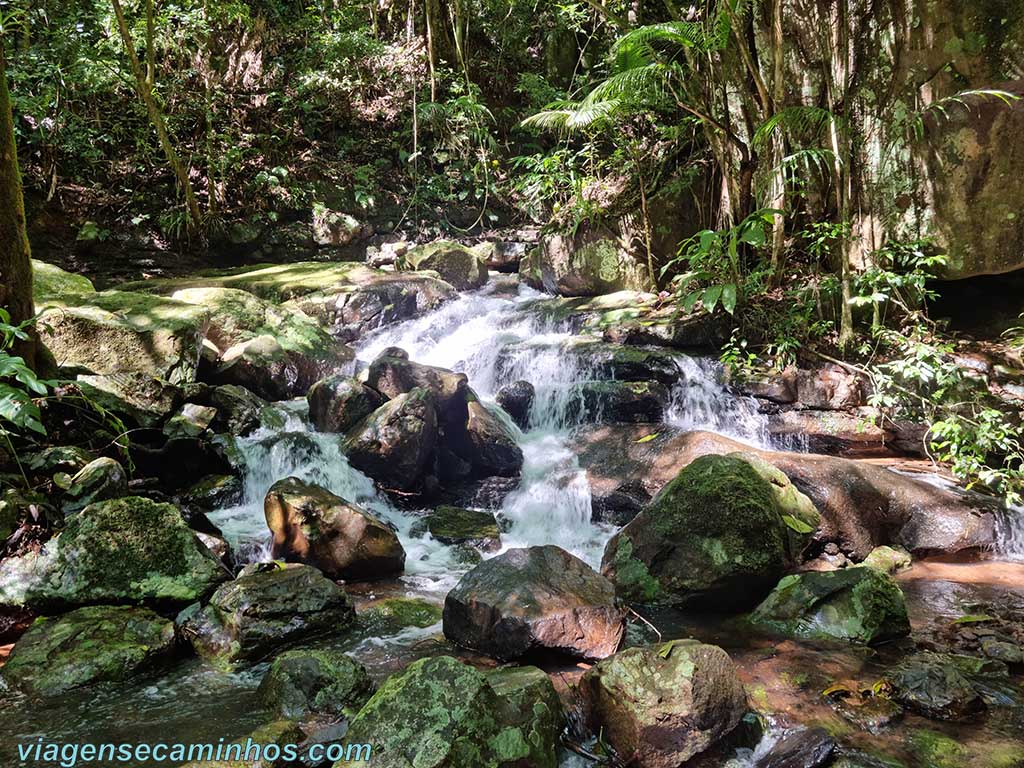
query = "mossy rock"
x=123 y=551
x=88 y=646
x=944 y=686
x=284 y=734
x=393 y=614
x=441 y=713
x=455 y=525
x=323 y=682
x=888 y=559
x=857 y=605
x=933 y=749
x=455 y=263
x=720 y=535
x=51 y=282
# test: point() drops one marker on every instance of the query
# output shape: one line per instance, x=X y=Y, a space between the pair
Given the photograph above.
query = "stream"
x=495 y=338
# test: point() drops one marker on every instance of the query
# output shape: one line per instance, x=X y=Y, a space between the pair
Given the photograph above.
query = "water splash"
x=701 y=401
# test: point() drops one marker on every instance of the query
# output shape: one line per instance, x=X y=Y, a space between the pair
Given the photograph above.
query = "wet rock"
x=266 y=368
x=601 y=360
x=213 y=492
x=676 y=552
x=88 y=646
x=870 y=713
x=264 y=609
x=393 y=374
x=621 y=506
x=862 y=505
x=135 y=397
x=439 y=712
x=532 y=706
x=191 y=421
x=502 y=256
x=238 y=409
x=456 y=264
x=888 y=559
x=454 y=525
x=660 y=707
x=98 y=480
x=800 y=748
x=129 y=550
x=937 y=685
x=394 y=614
x=219 y=546
x=836 y=433
x=517 y=400
x=611 y=402
x=338 y=403
x=112 y=332
x=1001 y=650
x=395 y=444
x=492 y=446
x=280 y=733
x=932 y=748
x=529 y=600
x=857 y=605
x=313 y=526
x=322 y=682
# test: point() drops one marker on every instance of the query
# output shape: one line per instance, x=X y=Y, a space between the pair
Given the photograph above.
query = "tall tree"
x=15 y=256
x=144 y=79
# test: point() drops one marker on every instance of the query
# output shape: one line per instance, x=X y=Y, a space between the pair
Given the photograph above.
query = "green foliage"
x=18 y=383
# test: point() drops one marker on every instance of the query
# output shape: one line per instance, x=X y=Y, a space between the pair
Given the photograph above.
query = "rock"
x=238 y=409
x=88 y=646
x=660 y=707
x=675 y=552
x=98 y=480
x=191 y=421
x=502 y=255
x=830 y=388
x=836 y=433
x=135 y=397
x=394 y=614
x=323 y=682
x=220 y=548
x=18 y=506
x=396 y=443
x=937 y=685
x=1000 y=650
x=112 y=332
x=393 y=374
x=336 y=229
x=612 y=402
x=283 y=734
x=130 y=550
x=493 y=449
x=517 y=400
x=857 y=605
x=455 y=263
x=264 y=367
x=800 y=748
x=867 y=711
x=338 y=403
x=540 y=598
x=213 y=492
x=585 y=264
x=779 y=388
x=264 y=609
x=600 y=360
x=440 y=713
x=532 y=705
x=862 y=505
x=311 y=525
x=52 y=282
x=453 y=525
x=888 y=560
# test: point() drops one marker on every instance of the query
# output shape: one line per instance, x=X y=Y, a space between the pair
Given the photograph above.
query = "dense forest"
x=515 y=384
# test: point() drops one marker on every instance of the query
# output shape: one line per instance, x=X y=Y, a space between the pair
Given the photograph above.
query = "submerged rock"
x=311 y=525
x=282 y=734
x=338 y=403
x=660 y=707
x=856 y=605
x=540 y=598
x=87 y=646
x=718 y=536
x=266 y=608
x=455 y=263
x=939 y=685
x=441 y=713
x=800 y=748
x=454 y=525
x=129 y=550
x=323 y=682
x=611 y=402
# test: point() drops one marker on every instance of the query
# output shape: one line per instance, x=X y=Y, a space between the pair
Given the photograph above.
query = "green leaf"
x=648 y=438
x=729 y=298
x=978 y=618
x=797 y=525
x=710 y=298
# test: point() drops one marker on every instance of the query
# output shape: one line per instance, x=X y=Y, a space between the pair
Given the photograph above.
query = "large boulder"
x=134 y=397
x=857 y=605
x=441 y=713
x=617 y=402
x=588 y=263
x=266 y=368
x=315 y=682
x=660 y=707
x=862 y=505
x=338 y=403
x=52 y=282
x=516 y=399
x=535 y=599
x=111 y=332
x=396 y=443
x=311 y=525
x=124 y=551
x=393 y=374
x=87 y=646
x=493 y=449
x=266 y=608
x=718 y=536
x=455 y=263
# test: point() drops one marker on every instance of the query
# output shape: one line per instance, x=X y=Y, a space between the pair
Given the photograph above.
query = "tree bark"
x=15 y=255
x=144 y=88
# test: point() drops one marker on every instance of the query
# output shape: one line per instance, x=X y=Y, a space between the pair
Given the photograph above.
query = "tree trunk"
x=145 y=92
x=15 y=256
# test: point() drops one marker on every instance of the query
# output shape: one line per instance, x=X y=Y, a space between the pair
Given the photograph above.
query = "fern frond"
x=638 y=84
x=798 y=119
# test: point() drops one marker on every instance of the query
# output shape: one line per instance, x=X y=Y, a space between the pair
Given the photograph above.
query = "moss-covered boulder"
x=660 y=706
x=266 y=608
x=857 y=605
x=123 y=551
x=943 y=686
x=456 y=264
x=586 y=263
x=52 y=282
x=534 y=599
x=311 y=525
x=338 y=403
x=99 y=480
x=322 y=682
x=455 y=525
x=718 y=536
x=394 y=614
x=888 y=559
x=87 y=646
x=441 y=713
x=112 y=332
